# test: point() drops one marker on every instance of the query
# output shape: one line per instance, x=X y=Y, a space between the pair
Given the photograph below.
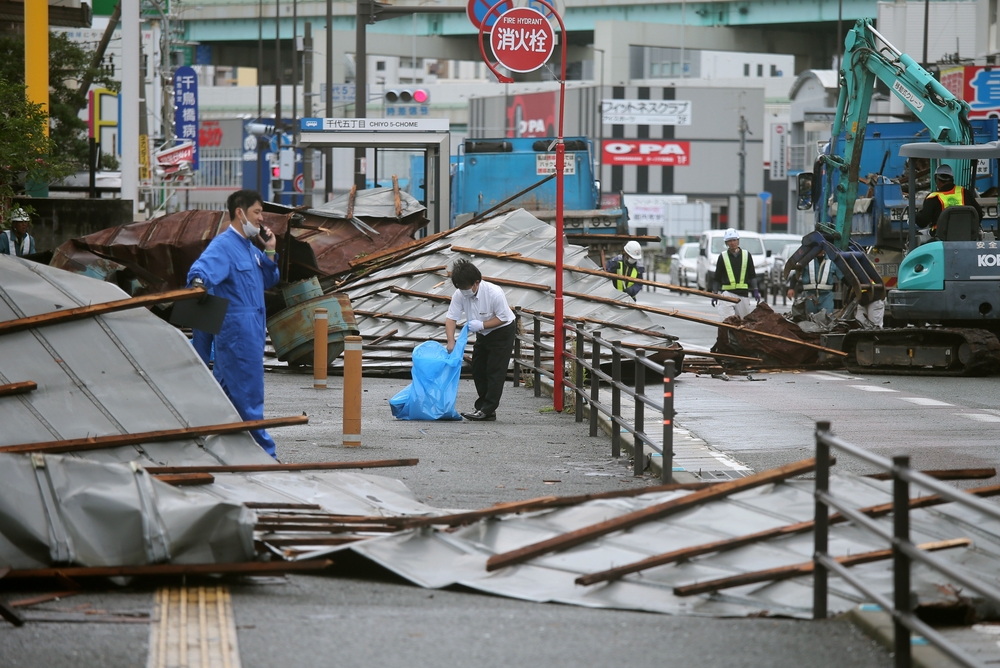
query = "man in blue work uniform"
x=234 y=268
x=627 y=266
x=814 y=282
x=735 y=277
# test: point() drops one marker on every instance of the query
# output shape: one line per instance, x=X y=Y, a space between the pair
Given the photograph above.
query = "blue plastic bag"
x=432 y=394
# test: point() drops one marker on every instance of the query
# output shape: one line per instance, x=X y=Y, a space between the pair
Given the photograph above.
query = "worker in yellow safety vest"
x=815 y=283
x=946 y=194
x=627 y=265
x=735 y=277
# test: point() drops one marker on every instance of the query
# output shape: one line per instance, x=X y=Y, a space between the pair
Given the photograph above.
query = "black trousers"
x=490 y=357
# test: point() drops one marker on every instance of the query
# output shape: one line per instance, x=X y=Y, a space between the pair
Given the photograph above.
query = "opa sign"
x=646 y=152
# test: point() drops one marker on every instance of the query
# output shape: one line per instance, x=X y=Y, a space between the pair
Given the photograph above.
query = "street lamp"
x=600 y=125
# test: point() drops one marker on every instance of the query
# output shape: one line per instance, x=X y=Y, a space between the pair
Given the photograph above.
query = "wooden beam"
x=806 y=568
x=324 y=528
x=948 y=474
x=117 y=440
x=543 y=503
x=385 y=315
x=686 y=553
x=23 y=387
x=383 y=337
x=444 y=299
x=44 y=598
x=10 y=614
x=94 y=310
x=606 y=323
x=186 y=479
x=683 y=316
x=282 y=506
x=262 y=468
x=659 y=511
x=403 y=274
x=517 y=257
x=248 y=567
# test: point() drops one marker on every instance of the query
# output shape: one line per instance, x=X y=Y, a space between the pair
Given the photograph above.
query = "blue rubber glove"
x=756 y=295
x=475 y=326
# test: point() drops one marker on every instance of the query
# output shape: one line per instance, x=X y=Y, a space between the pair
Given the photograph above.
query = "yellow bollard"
x=320 y=328
x=352 y=391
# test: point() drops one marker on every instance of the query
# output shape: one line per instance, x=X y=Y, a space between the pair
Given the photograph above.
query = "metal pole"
x=536 y=346
x=821 y=518
x=595 y=383
x=260 y=66
x=579 y=372
x=307 y=112
x=927 y=14
x=328 y=152
x=277 y=68
x=667 y=452
x=600 y=126
x=616 y=398
x=361 y=85
x=900 y=561
x=639 y=447
x=741 y=194
x=130 y=94
x=840 y=34
x=557 y=391
x=911 y=219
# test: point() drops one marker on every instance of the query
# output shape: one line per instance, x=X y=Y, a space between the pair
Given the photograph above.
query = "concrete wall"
x=57 y=220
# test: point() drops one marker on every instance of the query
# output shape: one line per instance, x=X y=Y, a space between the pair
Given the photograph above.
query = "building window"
x=746 y=69
x=775 y=72
x=380 y=65
x=760 y=69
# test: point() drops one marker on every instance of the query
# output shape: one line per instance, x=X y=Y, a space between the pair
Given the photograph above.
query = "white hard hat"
x=730 y=235
x=18 y=214
x=633 y=250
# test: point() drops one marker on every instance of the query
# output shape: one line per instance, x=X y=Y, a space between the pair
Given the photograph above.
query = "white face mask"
x=468 y=293
x=249 y=228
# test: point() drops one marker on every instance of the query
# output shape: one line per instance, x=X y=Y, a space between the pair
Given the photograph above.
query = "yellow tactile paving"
x=193 y=628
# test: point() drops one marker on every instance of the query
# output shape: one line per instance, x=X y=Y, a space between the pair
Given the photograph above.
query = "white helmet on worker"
x=633 y=250
x=19 y=215
x=730 y=235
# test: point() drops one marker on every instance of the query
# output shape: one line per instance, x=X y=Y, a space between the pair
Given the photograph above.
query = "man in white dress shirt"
x=491 y=320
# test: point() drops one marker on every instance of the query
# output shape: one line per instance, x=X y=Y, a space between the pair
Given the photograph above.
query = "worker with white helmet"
x=735 y=277
x=16 y=240
x=627 y=265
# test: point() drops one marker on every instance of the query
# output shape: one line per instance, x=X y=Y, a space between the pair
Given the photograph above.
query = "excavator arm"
x=947 y=118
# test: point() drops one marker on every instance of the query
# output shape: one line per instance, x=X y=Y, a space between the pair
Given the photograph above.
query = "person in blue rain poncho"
x=233 y=268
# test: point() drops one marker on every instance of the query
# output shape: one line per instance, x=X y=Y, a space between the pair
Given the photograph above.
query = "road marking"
x=193 y=626
x=872 y=388
x=980 y=417
x=921 y=401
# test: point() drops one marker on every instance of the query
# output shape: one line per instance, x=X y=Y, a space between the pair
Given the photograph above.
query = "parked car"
x=773 y=244
x=684 y=265
x=711 y=244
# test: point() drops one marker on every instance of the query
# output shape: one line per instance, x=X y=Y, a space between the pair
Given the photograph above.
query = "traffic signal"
x=407 y=96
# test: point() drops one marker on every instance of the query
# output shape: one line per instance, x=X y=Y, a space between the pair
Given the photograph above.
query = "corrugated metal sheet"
x=437 y=559
x=517 y=232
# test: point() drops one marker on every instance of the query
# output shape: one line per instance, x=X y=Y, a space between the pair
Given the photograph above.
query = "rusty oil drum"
x=291 y=329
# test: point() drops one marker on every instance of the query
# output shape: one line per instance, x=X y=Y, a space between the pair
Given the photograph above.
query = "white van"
x=710 y=244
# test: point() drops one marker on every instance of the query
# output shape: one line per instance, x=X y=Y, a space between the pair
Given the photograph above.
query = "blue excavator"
x=945 y=312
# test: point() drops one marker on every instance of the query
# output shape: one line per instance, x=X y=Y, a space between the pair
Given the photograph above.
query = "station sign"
x=374 y=124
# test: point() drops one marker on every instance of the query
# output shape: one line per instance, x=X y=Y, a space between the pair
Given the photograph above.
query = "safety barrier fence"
x=904 y=552
x=585 y=369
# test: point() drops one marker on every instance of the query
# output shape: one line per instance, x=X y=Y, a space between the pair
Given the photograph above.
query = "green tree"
x=26 y=154
x=68 y=63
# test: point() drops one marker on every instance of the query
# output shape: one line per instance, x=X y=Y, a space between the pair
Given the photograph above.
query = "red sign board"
x=522 y=39
x=976 y=84
x=646 y=152
x=176 y=155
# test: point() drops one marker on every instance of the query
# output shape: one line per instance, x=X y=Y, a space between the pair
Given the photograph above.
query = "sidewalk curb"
x=655 y=462
x=877 y=624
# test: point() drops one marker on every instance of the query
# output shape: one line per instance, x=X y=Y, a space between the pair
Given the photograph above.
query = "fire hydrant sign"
x=522 y=39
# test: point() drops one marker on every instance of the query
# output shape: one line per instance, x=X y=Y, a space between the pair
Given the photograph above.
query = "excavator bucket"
x=858 y=271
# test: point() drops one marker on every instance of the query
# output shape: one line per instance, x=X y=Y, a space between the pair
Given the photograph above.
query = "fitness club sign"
x=646 y=152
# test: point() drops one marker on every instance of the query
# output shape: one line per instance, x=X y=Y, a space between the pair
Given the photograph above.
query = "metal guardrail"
x=904 y=552
x=592 y=366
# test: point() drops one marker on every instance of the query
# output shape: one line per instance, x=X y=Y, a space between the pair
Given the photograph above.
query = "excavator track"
x=915 y=351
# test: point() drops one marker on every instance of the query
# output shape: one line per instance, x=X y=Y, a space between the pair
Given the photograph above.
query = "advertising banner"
x=646 y=112
x=186 y=105
x=646 y=152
